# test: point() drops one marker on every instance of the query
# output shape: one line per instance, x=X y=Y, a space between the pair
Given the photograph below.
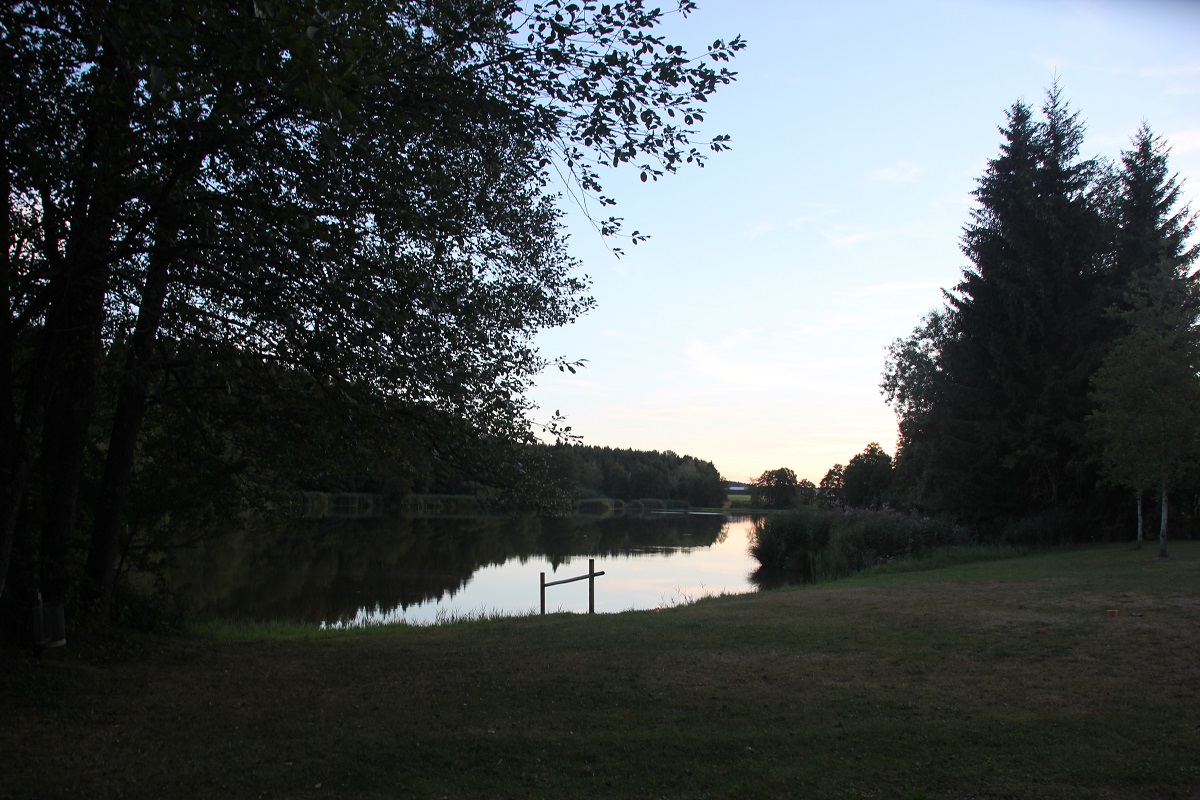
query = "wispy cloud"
x=762 y=229
x=787 y=363
x=845 y=240
x=1173 y=71
x=901 y=172
x=1163 y=72
x=1184 y=141
x=662 y=414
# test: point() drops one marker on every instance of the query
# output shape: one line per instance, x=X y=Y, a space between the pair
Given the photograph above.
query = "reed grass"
x=815 y=544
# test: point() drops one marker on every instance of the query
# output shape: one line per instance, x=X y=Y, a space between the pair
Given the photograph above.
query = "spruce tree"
x=1024 y=320
x=1147 y=392
x=1003 y=383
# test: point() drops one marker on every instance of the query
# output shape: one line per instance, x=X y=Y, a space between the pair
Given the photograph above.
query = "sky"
x=751 y=329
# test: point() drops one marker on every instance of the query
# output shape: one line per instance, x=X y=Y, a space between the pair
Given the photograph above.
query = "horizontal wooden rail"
x=591 y=579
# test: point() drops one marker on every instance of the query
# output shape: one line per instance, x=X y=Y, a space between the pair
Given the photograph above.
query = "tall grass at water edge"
x=814 y=544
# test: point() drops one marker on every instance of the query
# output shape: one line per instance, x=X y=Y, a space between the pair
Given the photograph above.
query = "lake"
x=424 y=570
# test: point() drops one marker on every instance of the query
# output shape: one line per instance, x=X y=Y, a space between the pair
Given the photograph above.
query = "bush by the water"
x=818 y=544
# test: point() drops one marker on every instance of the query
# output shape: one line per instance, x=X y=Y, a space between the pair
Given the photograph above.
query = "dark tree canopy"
x=1146 y=421
x=625 y=474
x=1026 y=320
x=993 y=392
x=355 y=198
x=831 y=490
x=867 y=478
x=775 y=488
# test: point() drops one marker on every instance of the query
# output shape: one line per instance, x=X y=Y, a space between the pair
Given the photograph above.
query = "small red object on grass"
x=1040 y=633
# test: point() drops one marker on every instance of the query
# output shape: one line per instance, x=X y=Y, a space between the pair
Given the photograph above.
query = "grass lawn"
x=999 y=679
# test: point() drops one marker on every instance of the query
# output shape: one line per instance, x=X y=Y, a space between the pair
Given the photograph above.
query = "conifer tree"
x=993 y=390
x=1147 y=391
x=1024 y=331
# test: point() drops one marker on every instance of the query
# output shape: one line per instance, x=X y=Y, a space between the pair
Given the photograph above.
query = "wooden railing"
x=591 y=579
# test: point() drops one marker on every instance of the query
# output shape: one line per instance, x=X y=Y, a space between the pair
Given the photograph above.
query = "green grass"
x=943 y=557
x=1004 y=678
x=243 y=630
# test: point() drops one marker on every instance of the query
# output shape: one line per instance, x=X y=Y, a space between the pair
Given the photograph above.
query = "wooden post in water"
x=591 y=586
x=543 y=594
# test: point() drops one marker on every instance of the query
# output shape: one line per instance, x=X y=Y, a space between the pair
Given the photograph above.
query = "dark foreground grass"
x=999 y=679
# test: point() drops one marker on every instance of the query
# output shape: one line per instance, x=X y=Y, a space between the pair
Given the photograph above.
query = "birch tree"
x=1147 y=391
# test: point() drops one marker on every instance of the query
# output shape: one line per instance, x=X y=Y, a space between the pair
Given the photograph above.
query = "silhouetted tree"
x=867 y=478
x=830 y=493
x=1147 y=391
x=993 y=390
x=775 y=488
x=357 y=192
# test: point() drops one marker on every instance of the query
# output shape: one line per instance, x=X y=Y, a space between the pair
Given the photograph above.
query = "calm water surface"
x=421 y=571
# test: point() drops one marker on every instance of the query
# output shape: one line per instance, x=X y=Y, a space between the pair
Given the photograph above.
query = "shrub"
x=1048 y=529
x=812 y=544
x=790 y=541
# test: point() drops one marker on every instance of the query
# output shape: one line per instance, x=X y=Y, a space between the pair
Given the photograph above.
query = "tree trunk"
x=75 y=317
x=18 y=540
x=21 y=409
x=10 y=464
x=1162 y=528
x=74 y=331
x=16 y=472
x=100 y=572
x=1141 y=525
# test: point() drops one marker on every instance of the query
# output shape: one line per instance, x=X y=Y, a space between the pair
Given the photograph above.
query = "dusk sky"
x=751 y=329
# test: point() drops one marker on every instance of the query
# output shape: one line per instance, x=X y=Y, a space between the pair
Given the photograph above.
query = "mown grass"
x=1005 y=678
x=950 y=556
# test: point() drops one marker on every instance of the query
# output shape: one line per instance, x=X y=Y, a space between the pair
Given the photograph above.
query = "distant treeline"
x=586 y=471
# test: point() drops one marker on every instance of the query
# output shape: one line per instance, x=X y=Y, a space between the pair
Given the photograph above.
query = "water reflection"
x=423 y=570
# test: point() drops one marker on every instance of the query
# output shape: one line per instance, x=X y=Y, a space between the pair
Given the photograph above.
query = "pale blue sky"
x=751 y=329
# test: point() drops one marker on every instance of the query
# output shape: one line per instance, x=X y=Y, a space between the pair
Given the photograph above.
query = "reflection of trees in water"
x=763 y=579
x=325 y=569
x=566 y=537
